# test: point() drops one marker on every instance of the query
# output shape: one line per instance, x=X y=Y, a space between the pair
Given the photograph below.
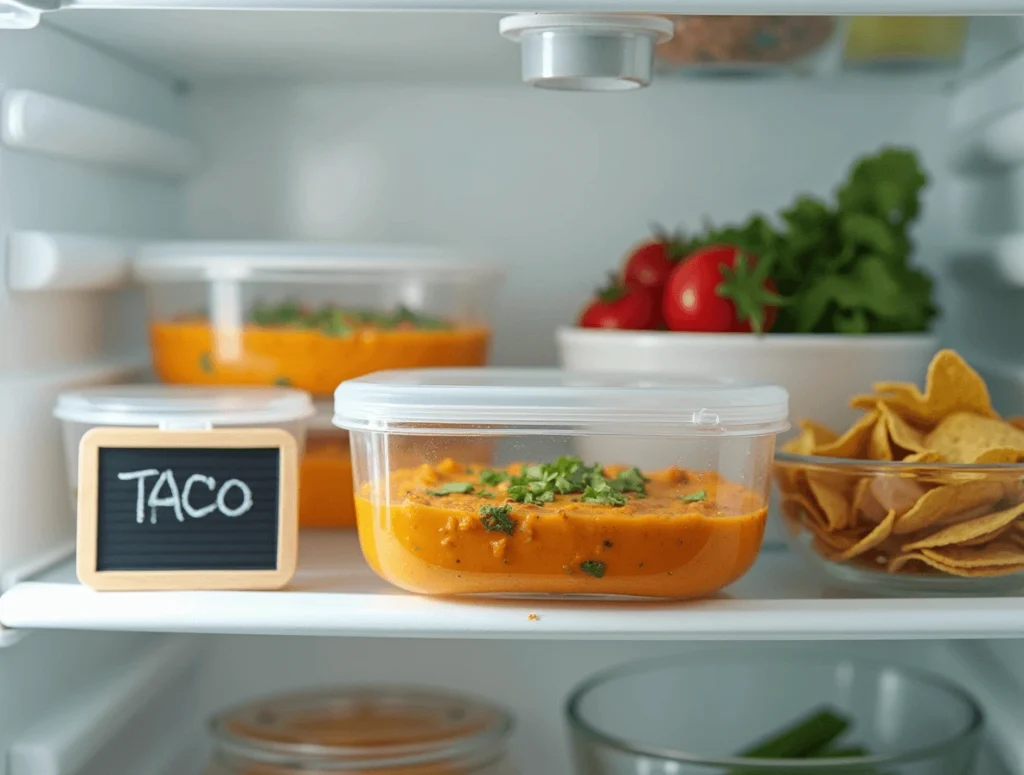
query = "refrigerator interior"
x=120 y=127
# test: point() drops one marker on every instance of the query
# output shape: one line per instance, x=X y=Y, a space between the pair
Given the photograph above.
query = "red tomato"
x=621 y=306
x=650 y=264
x=720 y=289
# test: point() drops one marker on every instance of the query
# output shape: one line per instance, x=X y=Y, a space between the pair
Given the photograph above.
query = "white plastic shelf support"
x=42 y=123
x=336 y=593
x=993 y=143
x=48 y=261
x=1003 y=255
x=64 y=742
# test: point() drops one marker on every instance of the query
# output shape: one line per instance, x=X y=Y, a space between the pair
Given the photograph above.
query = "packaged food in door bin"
x=385 y=730
x=311 y=316
x=531 y=513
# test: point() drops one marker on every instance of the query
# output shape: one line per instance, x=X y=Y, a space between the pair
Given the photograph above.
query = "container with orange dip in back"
x=325 y=475
x=534 y=517
x=310 y=316
x=362 y=731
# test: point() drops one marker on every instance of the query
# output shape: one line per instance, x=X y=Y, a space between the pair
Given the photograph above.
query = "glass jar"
x=362 y=731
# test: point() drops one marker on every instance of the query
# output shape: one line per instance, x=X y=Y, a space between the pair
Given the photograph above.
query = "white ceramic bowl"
x=820 y=371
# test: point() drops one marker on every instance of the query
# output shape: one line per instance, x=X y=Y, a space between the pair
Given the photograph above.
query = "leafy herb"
x=695 y=497
x=540 y=483
x=206 y=363
x=450 y=488
x=336 y=321
x=492 y=478
x=496 y=519
x=631 y=480
x=485 y=494
x=594 y=568
x=844 y=266
x=600 y=491
x=283 y=382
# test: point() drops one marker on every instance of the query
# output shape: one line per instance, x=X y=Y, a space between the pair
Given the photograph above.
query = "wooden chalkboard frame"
x=241 y=438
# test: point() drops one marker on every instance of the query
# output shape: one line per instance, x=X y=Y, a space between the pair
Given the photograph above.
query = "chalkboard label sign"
x=187 y=509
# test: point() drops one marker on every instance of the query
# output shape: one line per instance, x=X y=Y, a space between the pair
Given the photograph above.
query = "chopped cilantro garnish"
x=450 y=488
x=694 y=497
x=540 y=483
x=492 y=478
x=594 y=568
x=283 y=382
x=485 y=494
x=496 y=519
x=206 y=363
x=600 y=491
x=630 y=480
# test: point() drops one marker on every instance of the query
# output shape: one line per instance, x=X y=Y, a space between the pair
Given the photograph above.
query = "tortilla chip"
x=870 y=541
x=998 y=553
x=802 y=509
x=1000 y=455
x=895 y=493
x=879 y=447
x=854 y=442
x=1017 y=422
x=951 y=386
x=938 y=505
x=828 y=493
x=964 y=438
x=987 y=537
x=931 y=456
x=964 y=531
x=812 y=435
x=903 y=434
x=864 y=504
x=897 y=563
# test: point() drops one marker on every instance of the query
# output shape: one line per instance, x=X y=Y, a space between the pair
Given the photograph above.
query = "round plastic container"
x=310 y=316
x=325 y=475
x=726 y=713
x=369 y=731
x=181 y=408
x=470 y=480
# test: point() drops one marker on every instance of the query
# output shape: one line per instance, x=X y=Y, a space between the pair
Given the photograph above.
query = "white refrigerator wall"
x=553 y=186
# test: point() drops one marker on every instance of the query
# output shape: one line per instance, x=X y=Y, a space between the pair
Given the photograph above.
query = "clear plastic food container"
x=362 y=731
x=777 y=713
x=325 y=475
x=158 y=406
x=469 y=480
x=310 y=316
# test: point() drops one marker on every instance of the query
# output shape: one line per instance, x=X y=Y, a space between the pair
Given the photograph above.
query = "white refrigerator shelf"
x=335 y=593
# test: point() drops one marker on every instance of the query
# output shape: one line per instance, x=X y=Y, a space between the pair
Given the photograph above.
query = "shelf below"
x=335 y=593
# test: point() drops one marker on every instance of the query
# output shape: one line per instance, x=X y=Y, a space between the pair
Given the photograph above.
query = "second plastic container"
x=309 y=316
x=158 y=406
x=471 y=481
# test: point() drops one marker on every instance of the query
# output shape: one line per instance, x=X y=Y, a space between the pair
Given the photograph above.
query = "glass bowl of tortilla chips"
x=923 y=494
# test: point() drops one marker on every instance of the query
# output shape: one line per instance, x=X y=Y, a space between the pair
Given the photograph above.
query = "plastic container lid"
x=159 y=405
x=303 y=262
x=494 y=400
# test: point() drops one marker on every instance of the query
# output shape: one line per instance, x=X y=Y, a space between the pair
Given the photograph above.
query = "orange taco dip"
x=561 y=527
x=310 y=316
x=309 y=348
